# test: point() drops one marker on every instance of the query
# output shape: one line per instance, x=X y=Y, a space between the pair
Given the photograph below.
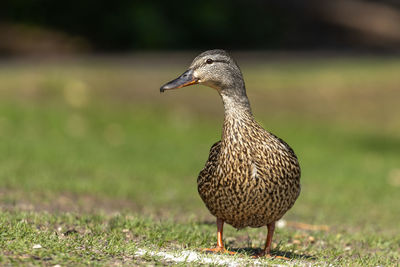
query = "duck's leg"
x=266 y=251
x=220 y=246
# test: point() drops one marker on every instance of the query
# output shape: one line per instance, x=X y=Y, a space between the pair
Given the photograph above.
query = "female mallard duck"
x=252 y=177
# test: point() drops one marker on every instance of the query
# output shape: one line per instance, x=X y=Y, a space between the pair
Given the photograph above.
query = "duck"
x=251 y=177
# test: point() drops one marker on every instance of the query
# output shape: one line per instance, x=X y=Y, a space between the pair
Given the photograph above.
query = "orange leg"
x=268 y=242
x=220 y=246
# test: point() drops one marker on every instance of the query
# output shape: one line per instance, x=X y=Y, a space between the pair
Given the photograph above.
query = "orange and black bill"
x=185 y=79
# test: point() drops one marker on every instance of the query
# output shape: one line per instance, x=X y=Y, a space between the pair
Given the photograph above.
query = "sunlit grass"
x=99 y=239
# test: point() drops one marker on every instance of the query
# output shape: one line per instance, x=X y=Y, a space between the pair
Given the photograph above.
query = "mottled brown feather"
x=251 y=177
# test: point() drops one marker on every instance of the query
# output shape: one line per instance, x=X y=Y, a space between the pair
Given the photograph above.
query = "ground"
x=97 y=167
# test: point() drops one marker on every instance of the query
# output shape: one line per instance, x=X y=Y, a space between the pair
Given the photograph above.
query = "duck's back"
x=250 y=183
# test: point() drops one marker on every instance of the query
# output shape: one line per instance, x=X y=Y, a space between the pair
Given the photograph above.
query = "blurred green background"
x=100 y=127
x=83 y=127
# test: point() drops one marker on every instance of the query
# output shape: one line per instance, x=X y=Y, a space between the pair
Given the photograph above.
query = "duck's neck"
x=238 y=113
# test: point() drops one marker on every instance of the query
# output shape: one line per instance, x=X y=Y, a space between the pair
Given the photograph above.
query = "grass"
x=73 y=239
x=95 y=164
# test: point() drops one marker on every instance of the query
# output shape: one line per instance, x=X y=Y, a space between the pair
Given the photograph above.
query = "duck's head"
x=213 y=68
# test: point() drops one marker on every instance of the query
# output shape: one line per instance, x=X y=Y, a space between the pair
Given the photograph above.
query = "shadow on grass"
x=254 y=251
x=290 y=255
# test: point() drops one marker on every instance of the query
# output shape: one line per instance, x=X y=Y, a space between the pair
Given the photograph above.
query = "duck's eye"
x=209 y=61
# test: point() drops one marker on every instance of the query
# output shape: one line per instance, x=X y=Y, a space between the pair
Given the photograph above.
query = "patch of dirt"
x=12 y=200
x=63 y=202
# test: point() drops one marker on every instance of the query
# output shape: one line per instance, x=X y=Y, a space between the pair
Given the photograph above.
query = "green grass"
x=96 y=239
x=96 y=164
x=88 y=239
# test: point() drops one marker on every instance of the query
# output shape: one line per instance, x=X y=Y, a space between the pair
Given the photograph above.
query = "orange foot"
x=218 y=250
x=262 y=254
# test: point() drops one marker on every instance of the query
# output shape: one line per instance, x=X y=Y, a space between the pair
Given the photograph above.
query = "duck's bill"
x=185 y=79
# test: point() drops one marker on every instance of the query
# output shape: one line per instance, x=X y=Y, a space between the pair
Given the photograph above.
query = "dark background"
x=48 y=26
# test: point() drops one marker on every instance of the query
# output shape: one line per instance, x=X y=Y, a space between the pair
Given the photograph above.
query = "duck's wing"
x=208 y=171
x=214 y=152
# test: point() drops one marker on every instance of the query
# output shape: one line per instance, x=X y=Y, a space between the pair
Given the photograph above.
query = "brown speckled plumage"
x=252 y=177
